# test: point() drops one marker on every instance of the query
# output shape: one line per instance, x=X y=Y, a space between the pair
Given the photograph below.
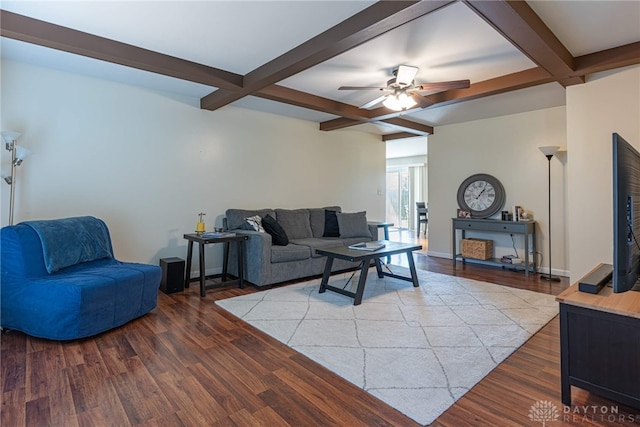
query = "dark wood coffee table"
x=365 y=257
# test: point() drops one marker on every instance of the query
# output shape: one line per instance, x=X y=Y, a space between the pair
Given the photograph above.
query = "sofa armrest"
x=257 y=256
x=374 y=232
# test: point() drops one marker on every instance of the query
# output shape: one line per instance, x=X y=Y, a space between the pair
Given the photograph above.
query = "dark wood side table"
x=202 y=242
x=385 y=228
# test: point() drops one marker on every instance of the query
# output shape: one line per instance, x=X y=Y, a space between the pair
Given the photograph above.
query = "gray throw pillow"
x=353 y=224
x=296 y=223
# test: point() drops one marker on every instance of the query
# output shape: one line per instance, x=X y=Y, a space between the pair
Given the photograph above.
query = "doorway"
x=397 y=209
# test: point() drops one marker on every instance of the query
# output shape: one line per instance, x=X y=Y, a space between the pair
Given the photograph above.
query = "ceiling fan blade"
x=374 y=102
x=421 y=100
x=360 y=88
x=442 y=86
x=405 y=75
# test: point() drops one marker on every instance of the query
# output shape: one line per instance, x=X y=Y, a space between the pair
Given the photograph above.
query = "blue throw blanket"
x=70 y=241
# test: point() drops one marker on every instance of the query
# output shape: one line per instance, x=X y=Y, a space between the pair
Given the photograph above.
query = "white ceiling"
x=450 y=44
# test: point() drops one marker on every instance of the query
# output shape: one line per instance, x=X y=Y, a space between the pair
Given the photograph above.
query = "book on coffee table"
x=367 y=246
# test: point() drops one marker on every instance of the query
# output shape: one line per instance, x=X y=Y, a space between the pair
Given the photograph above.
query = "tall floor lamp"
x=18 y=154
x=549 y=151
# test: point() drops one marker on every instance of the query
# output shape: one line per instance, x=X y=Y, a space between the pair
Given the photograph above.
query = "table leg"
x=386 y=237
x=187 y=274
x=412 y=269
x=225 y=261
x=526 y=254
x=241 y=262
x=454 y=243
x=363 y=280
x=325 y=276
x=378 y=267
x=202 y=269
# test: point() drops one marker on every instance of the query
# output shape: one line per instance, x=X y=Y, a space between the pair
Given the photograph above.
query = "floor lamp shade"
x=549 y=151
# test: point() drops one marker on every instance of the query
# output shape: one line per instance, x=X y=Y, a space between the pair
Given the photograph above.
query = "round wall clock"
x=482 y=195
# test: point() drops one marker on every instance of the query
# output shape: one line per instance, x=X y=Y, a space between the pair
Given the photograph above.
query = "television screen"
x=626 y=215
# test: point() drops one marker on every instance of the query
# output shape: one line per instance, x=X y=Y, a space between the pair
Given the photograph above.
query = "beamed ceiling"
x=264 y=55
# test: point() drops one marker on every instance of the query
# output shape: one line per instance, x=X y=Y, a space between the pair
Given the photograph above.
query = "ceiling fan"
x=404 y=93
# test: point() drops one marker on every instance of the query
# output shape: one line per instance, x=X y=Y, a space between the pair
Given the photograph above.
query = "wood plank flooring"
x=190 y=363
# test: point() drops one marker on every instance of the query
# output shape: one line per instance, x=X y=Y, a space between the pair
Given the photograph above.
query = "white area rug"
x=417 y=349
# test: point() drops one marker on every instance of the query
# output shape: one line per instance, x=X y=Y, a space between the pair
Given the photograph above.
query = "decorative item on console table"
x=462 y=213
x=477 y=248
x=481 y=194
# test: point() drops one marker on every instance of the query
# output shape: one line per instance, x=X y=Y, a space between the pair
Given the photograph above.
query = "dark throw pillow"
x=278 y=235
x=331 y=228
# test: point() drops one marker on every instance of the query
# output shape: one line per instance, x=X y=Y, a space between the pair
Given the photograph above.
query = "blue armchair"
x=61 y=281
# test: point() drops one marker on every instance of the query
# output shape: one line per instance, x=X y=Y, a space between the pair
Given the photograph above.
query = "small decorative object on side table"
x=207 y=238
x=200 y=228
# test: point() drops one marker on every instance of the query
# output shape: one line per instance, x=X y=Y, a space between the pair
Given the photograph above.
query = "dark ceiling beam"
x=350 y=115
x=339 y=123
x=310 y=101
x=373 y=21
x=519 y=24
x=399 y=135
x=41 y=33
x=510 y=82
x=609 y=59
x=407 y=125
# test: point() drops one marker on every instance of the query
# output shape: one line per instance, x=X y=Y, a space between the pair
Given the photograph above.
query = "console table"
x=525 y=228
x=600 y=344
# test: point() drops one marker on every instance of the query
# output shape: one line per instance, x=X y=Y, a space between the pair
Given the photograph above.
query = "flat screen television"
x=626 y=215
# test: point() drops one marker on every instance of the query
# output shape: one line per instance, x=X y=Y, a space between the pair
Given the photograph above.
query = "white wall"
x=147 y=163
x=609 y=102
x=507 y=148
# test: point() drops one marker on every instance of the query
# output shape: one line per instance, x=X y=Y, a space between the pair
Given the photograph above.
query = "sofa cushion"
x=278 y=235
x=290 y=252
x=316 y=218
x=318 y=243
x=353 y=224
x=235 y=217
x=295 y=222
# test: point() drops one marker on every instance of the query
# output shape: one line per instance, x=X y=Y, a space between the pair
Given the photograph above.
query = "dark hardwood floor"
x=190 y=363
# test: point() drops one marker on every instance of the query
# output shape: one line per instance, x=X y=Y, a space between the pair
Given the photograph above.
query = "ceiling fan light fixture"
x=399 y=102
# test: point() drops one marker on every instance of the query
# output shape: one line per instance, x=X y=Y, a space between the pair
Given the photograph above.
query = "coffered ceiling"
x=290 y=57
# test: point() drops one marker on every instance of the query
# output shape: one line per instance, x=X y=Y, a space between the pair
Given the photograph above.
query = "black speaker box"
x=172 y=275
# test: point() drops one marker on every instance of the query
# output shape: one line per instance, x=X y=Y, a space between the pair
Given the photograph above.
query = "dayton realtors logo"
x=544 y=411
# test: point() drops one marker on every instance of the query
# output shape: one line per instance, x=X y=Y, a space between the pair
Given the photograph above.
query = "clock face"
x=482 y=195
x=479 y=195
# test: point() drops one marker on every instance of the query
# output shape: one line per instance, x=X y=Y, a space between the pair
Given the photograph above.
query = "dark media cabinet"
x=600 y=344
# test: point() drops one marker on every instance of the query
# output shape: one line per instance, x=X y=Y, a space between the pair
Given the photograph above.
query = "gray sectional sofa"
x=266 y=263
